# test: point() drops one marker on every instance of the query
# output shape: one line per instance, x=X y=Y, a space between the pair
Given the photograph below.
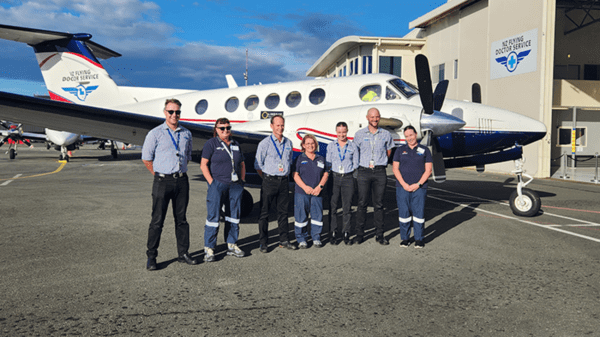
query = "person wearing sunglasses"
x=166 y=152
x=223 y=168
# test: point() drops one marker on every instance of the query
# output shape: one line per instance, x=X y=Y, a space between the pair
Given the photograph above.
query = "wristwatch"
x=321 y=186
x=420 y=185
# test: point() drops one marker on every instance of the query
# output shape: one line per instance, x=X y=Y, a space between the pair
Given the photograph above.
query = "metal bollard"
x=595 y=180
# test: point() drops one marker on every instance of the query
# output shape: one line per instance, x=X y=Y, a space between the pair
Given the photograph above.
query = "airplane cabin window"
x=317 y=96
x=272 y=101
x=232 y=104
x=390 y=94
x=293 y=99
x=251 y=103
x=201 y=107
x=404 y=87
x=370 y=93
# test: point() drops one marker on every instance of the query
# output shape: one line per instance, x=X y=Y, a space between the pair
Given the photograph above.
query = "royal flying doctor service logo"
x=80 y=91
x=514 y=55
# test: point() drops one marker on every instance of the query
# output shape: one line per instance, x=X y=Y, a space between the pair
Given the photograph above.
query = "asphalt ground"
x=72 y=262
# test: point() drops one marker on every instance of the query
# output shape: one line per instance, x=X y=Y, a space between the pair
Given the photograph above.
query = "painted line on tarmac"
x=9 y=181
x=573 y=209
x=514 y=218
x=18 y=176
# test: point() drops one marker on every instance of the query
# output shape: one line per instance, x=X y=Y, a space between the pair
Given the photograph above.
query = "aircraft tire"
x=114 y=153
x=12 y=154
x=247 y=204
x=531 y=203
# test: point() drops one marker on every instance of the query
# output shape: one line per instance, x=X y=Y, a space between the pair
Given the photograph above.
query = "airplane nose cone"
x=440 y=123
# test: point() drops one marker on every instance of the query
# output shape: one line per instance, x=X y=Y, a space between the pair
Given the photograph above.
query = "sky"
x=194 y=44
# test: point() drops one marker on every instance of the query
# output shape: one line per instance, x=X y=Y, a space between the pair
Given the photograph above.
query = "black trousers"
x=343 y=188
x=273 y=190
x=370 y=181
x=164 y=190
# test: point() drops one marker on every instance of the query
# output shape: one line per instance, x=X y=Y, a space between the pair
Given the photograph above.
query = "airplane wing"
x=98 y=122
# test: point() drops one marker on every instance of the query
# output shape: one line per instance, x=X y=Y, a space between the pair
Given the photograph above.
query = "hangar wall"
x=466 y=36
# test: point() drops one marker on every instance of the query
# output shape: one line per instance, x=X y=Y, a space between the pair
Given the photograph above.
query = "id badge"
x=280 y=166
x=234 y=176
x=341 y=169
x=372 y=164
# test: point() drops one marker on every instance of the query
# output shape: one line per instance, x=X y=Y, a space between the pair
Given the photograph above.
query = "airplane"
x=464 y=135
x=14 y=135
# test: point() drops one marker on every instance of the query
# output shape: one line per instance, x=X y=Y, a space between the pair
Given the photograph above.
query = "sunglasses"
x=223 y=128
x=178 y=112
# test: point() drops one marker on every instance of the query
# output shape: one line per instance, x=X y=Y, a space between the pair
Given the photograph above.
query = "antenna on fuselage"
x=246 y=73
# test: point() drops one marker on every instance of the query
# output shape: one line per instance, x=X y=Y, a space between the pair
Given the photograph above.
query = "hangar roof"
x=439 y=13
x=343 y=45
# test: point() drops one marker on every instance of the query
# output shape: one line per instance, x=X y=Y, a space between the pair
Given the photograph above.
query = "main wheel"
x=114 y=153
x=529 y=205
x=247 y=204
x=12 y=154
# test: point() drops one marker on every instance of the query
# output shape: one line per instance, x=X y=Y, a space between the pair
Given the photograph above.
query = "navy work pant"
x=273 y=190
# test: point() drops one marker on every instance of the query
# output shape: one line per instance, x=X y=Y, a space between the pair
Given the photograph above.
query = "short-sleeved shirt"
x=345 y=156
x=215 y=150
x=373 y=146
x=268 y=158
x=162 y=146
x=412 y=163
x=310 y=171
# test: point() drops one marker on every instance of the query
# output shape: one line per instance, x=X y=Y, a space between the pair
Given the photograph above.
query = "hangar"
x=539 y=58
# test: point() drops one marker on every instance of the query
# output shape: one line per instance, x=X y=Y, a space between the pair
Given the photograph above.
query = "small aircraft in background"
x=85 y=100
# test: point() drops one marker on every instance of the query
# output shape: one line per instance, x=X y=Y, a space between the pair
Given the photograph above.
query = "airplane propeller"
x=432 y=102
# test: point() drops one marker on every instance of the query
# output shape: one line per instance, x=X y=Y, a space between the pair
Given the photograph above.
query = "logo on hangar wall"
x=514 y=55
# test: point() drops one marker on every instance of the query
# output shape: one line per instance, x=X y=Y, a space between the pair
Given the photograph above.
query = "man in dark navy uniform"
x=166 y=152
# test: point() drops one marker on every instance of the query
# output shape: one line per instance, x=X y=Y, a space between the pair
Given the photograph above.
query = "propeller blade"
x=476 y=93
x=424 y=83
x=439 y=169
x=4 y=140
x=440 y=94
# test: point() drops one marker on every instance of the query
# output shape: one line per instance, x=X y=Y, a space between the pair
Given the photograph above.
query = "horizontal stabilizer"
x=36 y=36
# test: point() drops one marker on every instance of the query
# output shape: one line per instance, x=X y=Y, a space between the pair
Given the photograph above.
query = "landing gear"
x=523 y=201
x=113 y=150
x=63 y=154
x=12 y=153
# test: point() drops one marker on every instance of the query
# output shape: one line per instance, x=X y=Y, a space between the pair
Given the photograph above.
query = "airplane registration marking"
x=551 y=227
x=18 y=176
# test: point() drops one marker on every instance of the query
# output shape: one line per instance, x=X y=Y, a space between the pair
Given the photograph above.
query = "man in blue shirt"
x=166 y=152
x=342 y=157
x=412 y=167
x=375 y=146
x=273 y=162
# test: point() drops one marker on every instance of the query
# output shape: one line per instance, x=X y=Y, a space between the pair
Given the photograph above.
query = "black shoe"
x=288 y=245
x=263 y=249
x=382 y=240
x=404 y=243
x=419 y=244
x=334 y=239
x=185 y=258
x=151 y=264
x=358 y=239
x=347 y=239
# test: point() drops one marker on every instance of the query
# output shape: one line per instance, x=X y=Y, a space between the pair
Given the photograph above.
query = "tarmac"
x=72 y=260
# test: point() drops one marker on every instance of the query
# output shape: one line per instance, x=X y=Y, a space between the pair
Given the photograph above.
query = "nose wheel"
x=523 y=201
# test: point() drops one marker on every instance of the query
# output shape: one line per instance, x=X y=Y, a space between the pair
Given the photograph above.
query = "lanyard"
x=173 y=140
x=277 y=148
x=340 y=152
x=230 y=155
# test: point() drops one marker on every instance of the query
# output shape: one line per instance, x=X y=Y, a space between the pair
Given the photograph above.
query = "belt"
x=335 y=174
x=172 y=175
x=275 y=177
x=377 y=167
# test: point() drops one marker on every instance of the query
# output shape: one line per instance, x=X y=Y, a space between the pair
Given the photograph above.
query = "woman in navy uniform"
x=223 y=168
x=310 y=177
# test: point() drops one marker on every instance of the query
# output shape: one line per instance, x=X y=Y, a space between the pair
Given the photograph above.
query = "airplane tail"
x=70 y=66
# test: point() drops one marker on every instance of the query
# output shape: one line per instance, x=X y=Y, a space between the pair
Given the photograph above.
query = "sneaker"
x=347 y=241
x=419 y=244
x=288 y=245
x=404 y=243
x=234 y=250
x=264 y=249
x=317 y=244
x=303 y=245
x=382 y=240
x=209 y=255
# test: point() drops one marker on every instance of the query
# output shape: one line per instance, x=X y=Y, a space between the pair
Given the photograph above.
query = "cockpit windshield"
x=404 y=87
